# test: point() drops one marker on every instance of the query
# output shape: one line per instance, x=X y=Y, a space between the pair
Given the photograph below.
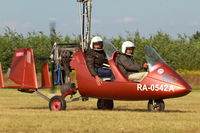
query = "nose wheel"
x=105 y=104
x=57 y=103
x=156 y=105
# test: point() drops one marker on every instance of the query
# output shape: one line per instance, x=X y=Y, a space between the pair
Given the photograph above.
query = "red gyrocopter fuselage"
x=161 y=82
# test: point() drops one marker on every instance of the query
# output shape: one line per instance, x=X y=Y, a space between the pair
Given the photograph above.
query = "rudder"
x=23 y=68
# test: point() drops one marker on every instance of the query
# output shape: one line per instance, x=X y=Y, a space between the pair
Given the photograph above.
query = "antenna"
x=85 y=22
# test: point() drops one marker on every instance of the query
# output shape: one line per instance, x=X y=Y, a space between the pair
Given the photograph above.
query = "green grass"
x=23 y=113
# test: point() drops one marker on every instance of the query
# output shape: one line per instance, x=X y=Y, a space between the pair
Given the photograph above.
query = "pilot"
x=96 y=58
x=127 y=64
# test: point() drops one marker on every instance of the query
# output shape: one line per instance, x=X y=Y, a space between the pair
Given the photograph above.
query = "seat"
x=119 y=76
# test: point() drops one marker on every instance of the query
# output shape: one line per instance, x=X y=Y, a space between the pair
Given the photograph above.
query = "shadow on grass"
x=145 y=110
x=124 y=110
x=95 y=109
x=176 y=111
x=34 y=108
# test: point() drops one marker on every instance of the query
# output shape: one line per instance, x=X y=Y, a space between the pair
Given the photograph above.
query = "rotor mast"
x=85 y=7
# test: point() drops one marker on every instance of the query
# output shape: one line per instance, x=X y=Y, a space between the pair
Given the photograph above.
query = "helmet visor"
x=98 y=45
x=130 y=48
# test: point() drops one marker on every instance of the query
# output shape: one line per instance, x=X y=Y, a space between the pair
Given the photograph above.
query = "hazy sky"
x=110 y=17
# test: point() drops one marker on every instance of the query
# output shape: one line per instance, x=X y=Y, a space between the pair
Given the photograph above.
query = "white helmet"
x=96 y=39
x=127 y=44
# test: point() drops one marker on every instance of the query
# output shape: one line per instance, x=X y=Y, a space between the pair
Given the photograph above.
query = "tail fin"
x=46 y=81
x=1 y=78
x=23 y=68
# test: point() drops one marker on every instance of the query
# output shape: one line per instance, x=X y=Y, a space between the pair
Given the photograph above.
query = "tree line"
x=181 y=53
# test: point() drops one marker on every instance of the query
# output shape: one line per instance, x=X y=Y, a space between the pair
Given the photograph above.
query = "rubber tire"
x=57 y=103
x=105 y=104
x=156 y=105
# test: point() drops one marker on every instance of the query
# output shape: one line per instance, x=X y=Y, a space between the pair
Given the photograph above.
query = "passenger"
x=127 y=65
x=95 y=58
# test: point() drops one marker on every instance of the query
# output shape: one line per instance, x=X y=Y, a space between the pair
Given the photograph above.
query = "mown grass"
x=23 y=113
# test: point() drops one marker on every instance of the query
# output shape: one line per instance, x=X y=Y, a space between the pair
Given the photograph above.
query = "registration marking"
x=155 y=87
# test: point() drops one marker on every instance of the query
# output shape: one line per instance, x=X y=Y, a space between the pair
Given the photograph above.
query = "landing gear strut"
x=105 y=104
x=156 y=105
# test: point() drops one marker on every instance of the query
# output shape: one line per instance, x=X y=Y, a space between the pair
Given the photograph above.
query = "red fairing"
x=162 y=82
x=23 y=69
x=46 y=80
x=1 y=78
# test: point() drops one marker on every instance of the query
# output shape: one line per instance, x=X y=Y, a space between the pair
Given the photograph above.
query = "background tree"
x=180 y=53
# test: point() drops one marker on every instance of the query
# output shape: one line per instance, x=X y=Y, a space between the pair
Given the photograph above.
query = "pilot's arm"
x=91 y=66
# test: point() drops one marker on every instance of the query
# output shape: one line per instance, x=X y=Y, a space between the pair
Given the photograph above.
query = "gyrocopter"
x=162 y=81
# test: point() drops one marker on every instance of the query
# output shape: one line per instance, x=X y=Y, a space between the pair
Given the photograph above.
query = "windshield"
x=109 y=49
x=152 y=57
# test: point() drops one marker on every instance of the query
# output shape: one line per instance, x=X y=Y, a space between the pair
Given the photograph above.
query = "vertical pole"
x=83 y=26
x=88 y=30
x=85 y=18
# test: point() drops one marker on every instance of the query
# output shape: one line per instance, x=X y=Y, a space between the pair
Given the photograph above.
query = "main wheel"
x=156 y=105
x=57 y=103
x=105 y=104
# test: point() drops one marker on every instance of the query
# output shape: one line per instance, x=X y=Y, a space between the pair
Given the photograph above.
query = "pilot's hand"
x=145 y=65
x=98 y=80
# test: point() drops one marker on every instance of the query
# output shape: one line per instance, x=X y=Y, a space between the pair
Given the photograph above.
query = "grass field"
x=27 y=113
